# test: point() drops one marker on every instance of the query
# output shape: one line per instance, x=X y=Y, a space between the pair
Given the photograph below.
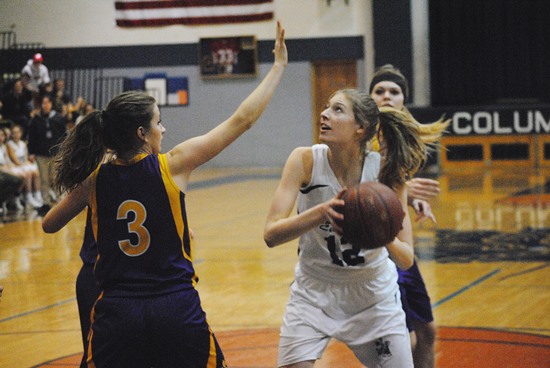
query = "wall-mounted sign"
x=168 y=91
x=228 y=57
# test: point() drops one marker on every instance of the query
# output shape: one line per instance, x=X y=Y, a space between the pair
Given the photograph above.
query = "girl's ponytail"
x=80 y=153
x=406 y=152
x=431 y=132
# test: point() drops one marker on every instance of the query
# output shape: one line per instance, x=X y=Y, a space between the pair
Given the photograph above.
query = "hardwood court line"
x=524 y=272
x=54 y=305
x=465 y=288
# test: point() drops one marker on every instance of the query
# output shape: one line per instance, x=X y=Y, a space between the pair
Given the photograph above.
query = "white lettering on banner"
x=457 y=117
x=517 y=123
x=498 y=128
x=485 y=122
x=541 y=124
x=482 y=122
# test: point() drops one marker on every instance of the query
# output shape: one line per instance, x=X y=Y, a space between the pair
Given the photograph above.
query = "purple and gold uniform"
x=87 y=289
x=149 y=313
x=414 y=296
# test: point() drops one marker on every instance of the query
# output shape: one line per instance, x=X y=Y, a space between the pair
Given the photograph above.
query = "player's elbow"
x=406 y=263
x=269 y=238
x=269 y=241
x=49 y=226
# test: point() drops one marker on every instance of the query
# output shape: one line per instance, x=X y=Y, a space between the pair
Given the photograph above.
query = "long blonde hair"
x=430 y=132
x=406 y=150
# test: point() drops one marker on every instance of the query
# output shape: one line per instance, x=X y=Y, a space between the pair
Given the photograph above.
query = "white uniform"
x=20 y=150
x=342 y=292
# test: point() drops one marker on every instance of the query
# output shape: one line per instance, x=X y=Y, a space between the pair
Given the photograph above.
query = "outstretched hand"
x=423 y=211
x=421 y=188
x=281 y=54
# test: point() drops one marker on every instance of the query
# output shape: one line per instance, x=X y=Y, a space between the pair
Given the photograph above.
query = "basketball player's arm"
x=189 y=155
x=419 y=192
x=401 y=249
x=70 y=206
x=421 y=188
x=280 y=226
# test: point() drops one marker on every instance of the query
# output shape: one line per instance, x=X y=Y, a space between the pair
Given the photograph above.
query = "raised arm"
x=189 y=155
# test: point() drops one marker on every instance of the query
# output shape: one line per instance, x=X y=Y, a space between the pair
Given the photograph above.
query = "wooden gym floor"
x=485 y=264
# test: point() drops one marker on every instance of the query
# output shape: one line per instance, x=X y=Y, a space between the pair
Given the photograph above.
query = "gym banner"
x=154 y=13
x=494 y=120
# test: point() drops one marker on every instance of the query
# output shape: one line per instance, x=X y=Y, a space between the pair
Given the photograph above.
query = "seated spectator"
x=62 y=100
x=17 y=105
x=7 y=166
x=86 y=109
x=9 y=188
x=19 y=155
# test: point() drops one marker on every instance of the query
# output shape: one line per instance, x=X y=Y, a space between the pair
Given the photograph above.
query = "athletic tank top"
x=322 y=253
x=20 y=150
x=140 y=227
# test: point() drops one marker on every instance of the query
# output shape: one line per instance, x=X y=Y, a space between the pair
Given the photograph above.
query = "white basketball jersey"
x=20 y=150
x=322 y=252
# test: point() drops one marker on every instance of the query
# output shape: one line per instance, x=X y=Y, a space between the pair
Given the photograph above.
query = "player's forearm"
x=401 y=253
x=287 y=229
x=254 y=105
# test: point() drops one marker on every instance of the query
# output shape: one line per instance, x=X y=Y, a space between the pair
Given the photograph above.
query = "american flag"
x=154 y=13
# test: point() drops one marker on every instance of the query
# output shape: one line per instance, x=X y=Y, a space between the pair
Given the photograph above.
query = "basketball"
x=373 y=215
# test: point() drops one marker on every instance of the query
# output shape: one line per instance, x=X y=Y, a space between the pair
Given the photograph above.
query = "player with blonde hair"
x=341 y=291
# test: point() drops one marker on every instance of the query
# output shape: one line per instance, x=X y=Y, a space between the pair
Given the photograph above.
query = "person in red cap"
x=34 y=74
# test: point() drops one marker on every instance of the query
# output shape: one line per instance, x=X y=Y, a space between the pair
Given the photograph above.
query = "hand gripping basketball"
x=373 y=215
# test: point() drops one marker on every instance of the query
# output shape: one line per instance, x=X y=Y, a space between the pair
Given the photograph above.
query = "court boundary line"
x=38 y=309
x=465 y=288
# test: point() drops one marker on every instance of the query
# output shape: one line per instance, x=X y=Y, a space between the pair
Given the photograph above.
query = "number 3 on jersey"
x=134 y=227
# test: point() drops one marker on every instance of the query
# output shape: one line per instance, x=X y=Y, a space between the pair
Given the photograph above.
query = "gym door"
x=327 y=77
